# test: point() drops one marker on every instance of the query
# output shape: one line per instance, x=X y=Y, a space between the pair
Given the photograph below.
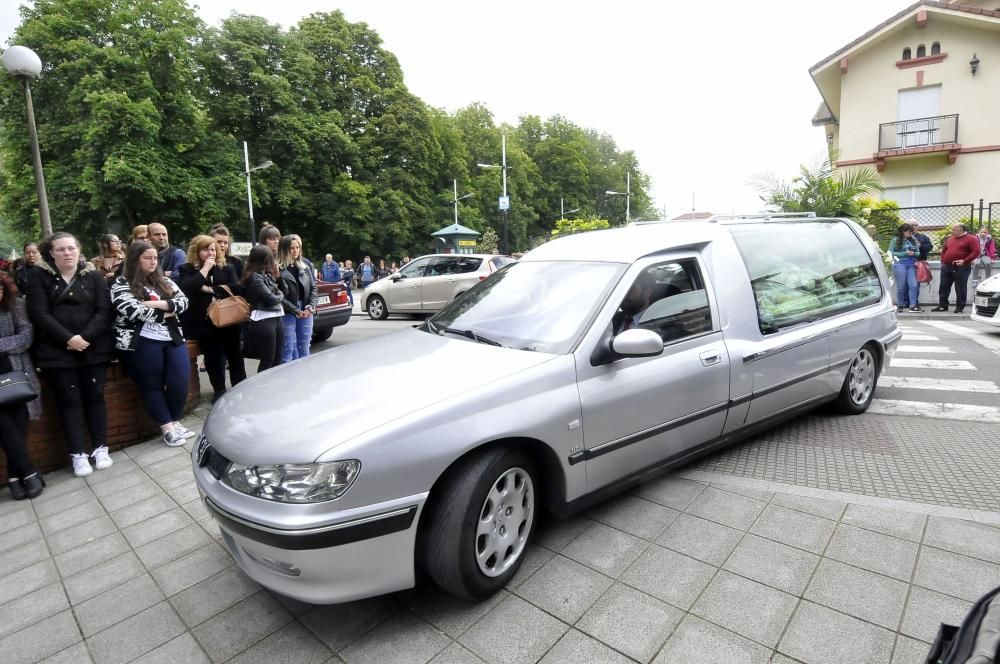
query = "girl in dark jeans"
x=150 y=341
x=15 y=339
x=202 y=279
x=260 y=288
x=69 y=307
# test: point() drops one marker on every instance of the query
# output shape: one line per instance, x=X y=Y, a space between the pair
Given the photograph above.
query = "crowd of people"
x=64 y=318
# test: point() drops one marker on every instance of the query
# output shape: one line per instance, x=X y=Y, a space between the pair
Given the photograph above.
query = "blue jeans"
x=905 y=274
x=160 y=370
x=298 y=336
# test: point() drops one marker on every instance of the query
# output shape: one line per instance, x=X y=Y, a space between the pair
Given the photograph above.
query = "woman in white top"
x=150 y=341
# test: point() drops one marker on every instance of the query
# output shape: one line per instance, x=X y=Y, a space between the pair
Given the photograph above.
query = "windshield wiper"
x=429 y=326
x=469 y=334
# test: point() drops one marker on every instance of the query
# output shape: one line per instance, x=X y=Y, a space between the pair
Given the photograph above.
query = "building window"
x=926 y=195
x=907 y=54
x=921 y=51
x=936 y=48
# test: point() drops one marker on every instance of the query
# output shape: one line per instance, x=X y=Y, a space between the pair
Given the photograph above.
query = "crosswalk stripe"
x=981 y=337
x=920 y=363
x=919 y=337
x=941 y=384
x=935 y=410
x=944 y=350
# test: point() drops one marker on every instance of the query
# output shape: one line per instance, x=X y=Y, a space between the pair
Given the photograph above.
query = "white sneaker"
x=184 y=430
x=101 y=459
x=81 y=465
x=173 y=437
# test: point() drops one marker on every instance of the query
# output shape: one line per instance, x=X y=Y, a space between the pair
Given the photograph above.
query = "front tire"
x=480 y=522
x=376 y=308
x=859 y=385
x=322 y=335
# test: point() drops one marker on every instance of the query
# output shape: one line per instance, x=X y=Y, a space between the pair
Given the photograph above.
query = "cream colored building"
x=918 y=98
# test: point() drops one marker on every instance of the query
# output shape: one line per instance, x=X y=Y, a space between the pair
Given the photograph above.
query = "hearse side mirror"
x=637 y=342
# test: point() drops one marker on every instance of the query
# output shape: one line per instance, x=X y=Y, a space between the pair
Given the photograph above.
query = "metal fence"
x=936 y=220
x=923 y=132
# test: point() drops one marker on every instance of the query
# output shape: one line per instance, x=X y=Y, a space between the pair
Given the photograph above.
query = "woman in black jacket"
x=298 y=281
x=16 y=334
x=69 y=306
x=205 y=277
x=31 y=256
x=150 y=340
x=260 y=288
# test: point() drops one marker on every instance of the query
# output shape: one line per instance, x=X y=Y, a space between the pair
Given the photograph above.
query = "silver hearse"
x=590 y=365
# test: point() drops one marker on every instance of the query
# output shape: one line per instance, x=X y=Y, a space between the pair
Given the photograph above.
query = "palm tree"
x=821 y=189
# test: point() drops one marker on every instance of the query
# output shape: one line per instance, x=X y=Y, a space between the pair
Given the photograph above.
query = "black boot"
x=17 y=491
x=33 y=485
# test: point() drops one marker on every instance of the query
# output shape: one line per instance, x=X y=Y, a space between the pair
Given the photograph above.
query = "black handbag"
x=15 y=388
x=976 y=640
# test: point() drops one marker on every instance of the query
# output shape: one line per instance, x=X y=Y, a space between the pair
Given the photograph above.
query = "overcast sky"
x=707 y=94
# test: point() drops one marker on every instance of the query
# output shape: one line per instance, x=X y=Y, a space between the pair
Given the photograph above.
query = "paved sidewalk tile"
x=564 y=588
x=448 y=613
x=27 y=580
x=338 y=625
x=873 y=551
x=41 y=639
x=910 y=651
x=184 y=649
x=403 y=638
x=577 y=648
x=631 y=622
x=729 y=509
x=633 y=515
x=793 y=528
x=136 y=636
x=672 y=492
x=291 y=643
x=926 y=610
x=669 y=576
x=819 y=635
x=605 y=549
x=117 y=604
x=456 y=654
x=699 y=538
x=213 y=595
x=491 y=639
x=965 y=537
x=32 y=608
x=241 y=626
x=955 y=575
x=699 y=642
x=746 y=607
x=857 y=592
x=904 y=525
x=773 y=564
x=828 y=509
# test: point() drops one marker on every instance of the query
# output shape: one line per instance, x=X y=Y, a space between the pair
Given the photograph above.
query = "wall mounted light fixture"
x=974 y=64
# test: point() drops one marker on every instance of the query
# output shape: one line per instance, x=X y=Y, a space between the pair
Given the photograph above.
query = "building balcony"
x=920 y=137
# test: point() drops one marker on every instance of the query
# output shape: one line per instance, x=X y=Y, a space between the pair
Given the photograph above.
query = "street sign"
x=240 y=248
x=466 y=243
x=504 y=202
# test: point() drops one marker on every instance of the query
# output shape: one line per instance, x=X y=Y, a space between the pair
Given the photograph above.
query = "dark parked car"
x=333 y=309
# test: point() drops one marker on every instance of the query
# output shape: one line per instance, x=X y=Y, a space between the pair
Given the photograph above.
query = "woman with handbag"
x=261 y=289
x=298 y=281
x=904 y=249
x=69 y=307
x=207 y=278
x=150 y=341
x=19 y=391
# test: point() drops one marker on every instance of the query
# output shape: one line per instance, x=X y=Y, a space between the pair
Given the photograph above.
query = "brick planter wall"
x=128 y=422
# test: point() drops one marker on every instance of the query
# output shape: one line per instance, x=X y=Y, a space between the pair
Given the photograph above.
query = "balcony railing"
x=921 y=133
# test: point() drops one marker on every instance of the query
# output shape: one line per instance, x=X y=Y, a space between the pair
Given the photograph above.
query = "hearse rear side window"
x=804 y=271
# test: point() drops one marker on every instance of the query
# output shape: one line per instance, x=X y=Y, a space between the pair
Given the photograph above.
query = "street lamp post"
x=23 y=63
x=247 y=172
x=563 y=211
x=504 y=202
x=627 y=194
x=458 y=198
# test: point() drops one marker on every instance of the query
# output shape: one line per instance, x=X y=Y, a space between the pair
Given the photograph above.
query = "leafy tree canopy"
x=142 y=111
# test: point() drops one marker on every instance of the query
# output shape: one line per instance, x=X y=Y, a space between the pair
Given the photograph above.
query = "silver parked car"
x=590 y=365
x=428 y=283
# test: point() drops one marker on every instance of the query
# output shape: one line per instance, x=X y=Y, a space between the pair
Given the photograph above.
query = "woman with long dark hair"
x=298 y=281
x=260 y=288
x=204 y=278
x=109 y=263
x=30 y=257
x=16 y=335
x=150 y=341
x=68 y=305
x=904 y=249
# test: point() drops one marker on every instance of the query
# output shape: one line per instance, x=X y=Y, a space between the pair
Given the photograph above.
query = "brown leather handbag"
x=232 y=310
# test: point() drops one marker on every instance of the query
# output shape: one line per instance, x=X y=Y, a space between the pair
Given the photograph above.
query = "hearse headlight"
x=294 y=482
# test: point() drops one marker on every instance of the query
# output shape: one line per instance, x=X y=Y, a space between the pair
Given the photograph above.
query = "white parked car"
x=986 y=306
x=426 y=284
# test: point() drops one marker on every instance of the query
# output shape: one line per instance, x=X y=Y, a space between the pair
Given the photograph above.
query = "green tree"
x=822 y=189
x=124 y=137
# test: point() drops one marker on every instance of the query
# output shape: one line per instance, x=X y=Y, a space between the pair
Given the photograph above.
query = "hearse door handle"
x=711 y=358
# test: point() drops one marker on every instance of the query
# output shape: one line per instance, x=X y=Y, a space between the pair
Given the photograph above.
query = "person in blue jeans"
x=905 y=249
x=150 y=341
x=298 y=282
x=367 y=272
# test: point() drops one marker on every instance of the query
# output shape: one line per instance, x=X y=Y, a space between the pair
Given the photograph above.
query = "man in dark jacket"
x=926 y=245
x=171 y=258
x=957 y=255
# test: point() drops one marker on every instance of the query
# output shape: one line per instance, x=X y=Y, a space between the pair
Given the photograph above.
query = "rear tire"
x=479 y=523
x=376 y=308
x=859 y=384
x=322 y=335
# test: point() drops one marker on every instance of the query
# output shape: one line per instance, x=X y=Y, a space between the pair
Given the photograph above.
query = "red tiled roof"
x=952 y=6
